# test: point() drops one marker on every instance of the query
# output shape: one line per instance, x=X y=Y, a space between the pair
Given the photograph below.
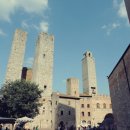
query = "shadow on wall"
x=65 y=117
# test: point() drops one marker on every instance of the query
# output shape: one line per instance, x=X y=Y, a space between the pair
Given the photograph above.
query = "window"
x=88 y=105
x=45 y=86
x=43 y=112
x=98 y=105
x=61 y=113
x=69 y=112
x=104 y=105
x=44 y=55
x=82 y=105
x=82 y=113
x=89 y=122
x=89 y=114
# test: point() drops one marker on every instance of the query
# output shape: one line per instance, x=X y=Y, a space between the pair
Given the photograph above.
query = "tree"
x=20 y=98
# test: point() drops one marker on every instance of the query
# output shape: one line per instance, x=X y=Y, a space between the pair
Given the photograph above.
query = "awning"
x=7 y=120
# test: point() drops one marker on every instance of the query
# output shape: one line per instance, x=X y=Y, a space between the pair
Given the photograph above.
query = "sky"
x=100 y=26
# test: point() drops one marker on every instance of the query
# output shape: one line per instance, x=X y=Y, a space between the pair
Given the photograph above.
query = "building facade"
x=73 y=109
x=119 y=85
x=127 y=3
x=15 y=63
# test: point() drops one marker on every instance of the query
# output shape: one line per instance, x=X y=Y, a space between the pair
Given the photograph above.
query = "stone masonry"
x=119 y=85
x=89 y=74
x=71 y=108
x=42 y=75
x=43 y=63
x=14 y=67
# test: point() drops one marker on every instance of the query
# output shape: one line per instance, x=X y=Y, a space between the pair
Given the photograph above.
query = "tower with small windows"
x=89 y=74
x=43 y=75
x=15 y=63
x=43 y=63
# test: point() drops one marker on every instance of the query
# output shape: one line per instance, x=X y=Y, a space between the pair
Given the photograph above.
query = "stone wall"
x=119 y=84
x=15 y=63
x=43 y=76
x=89 y=74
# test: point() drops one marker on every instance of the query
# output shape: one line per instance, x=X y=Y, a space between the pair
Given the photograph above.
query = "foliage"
x=20 y=98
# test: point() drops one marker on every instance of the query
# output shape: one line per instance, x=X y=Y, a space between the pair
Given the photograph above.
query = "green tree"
x=20 y=98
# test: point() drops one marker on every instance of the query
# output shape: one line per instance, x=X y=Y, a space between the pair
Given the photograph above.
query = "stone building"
x=72 y=109
x=119 y=85
x=42 y=75
x=89 y=74
x=127 y=3
x=15 y=63
x=26 y=74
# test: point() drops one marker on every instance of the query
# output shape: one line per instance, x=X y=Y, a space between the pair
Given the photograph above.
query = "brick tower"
x=89 y=74
x=15 y=63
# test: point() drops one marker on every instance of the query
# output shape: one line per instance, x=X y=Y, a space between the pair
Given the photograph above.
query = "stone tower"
x=73 y=87
x=43 y=76
x=43 y=63
x=89 y=74
x=15 y=63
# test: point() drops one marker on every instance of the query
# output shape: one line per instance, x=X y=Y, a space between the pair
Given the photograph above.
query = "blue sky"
x=100 y=26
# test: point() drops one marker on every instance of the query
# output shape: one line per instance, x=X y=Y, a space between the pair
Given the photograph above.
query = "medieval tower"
x=43 y=75
x=72 y=87
x=15 y=63
x=89 y=74
x=43 y=63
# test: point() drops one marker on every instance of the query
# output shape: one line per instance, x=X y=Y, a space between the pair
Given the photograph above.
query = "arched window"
x=98 y=105
x=88 y=105
x=89 y=114
x=82 y=113
x=61 y=112
x=69 y=112
x=82 y=105
x=104 y=105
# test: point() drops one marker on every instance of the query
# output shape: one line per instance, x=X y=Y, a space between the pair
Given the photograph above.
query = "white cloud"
x=110 y=27
x=119 y=5
x=104 y=27
x=2 y=33
x=9 y=7
x=29 y=62
x=24 y=24
x=115 y=3
x=122 y=10
x=115 y=25
x=44 y=26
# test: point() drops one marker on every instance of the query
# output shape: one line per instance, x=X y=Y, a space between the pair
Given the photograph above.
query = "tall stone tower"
x=15 y=63
x=72 y=87
x=89 y=74
x=43 y=75
x=43 y=63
